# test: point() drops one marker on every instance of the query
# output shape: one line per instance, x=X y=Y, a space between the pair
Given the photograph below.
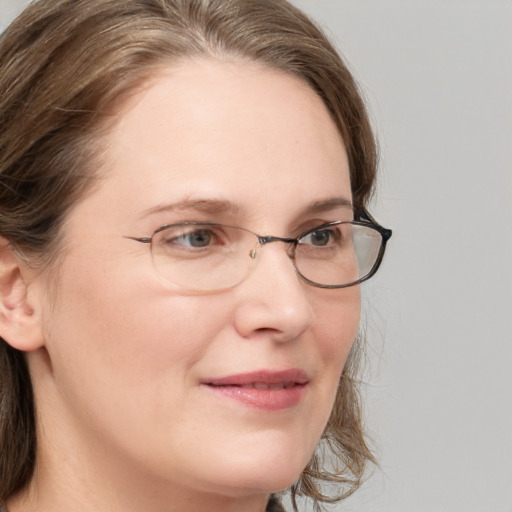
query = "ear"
x=20 y=320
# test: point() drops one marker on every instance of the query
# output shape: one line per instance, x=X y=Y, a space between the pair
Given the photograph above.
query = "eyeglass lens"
x=213 y=256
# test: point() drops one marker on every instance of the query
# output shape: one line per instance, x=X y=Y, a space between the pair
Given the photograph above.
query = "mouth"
x=263 y=389
x=261 y=385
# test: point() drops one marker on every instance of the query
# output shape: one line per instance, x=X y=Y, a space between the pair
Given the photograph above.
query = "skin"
x=119 y=358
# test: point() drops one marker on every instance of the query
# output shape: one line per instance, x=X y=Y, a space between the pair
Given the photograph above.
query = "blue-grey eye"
x=198 y=238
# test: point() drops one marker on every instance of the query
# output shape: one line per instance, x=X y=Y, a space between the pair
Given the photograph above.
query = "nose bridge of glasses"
x=264 y=240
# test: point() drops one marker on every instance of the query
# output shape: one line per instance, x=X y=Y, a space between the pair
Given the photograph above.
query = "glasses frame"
x=361 y=218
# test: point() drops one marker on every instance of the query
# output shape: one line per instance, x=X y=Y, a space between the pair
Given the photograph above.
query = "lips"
x=263 y=389
x=263 y=385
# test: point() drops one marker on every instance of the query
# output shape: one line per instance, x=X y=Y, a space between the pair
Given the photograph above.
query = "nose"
x=274 y=301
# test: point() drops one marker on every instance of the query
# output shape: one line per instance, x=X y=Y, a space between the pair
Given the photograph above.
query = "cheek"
x=337 y=328
x=123 y=353
x=337 y=323
x=125 y=338
x=337 y=319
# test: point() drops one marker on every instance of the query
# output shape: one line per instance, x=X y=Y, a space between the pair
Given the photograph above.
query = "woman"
x=183 y=235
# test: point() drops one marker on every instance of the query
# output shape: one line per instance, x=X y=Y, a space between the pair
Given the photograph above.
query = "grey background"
x=438 y=79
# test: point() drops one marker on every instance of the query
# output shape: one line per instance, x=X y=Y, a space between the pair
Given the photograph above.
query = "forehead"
x=232 y=130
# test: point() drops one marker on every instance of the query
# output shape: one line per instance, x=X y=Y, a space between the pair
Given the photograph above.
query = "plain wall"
x=438 y=79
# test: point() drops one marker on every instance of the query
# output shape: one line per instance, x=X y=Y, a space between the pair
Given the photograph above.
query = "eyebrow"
x=328 y=204
x=221 y=206
x=213 y=206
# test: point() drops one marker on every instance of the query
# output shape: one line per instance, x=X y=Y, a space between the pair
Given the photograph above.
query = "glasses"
x=206 y=256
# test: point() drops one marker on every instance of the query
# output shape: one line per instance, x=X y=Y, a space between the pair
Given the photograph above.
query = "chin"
x=241 y=486
x=271 y=474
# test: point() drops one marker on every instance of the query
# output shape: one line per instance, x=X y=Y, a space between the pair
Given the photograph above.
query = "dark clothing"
x=273 y=505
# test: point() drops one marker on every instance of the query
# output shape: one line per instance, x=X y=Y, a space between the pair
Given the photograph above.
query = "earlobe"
x=20 y=324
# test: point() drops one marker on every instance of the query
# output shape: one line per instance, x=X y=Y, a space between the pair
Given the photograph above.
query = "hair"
x=64 y=66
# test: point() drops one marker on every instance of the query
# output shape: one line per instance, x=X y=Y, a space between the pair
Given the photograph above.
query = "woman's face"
x=143 y=378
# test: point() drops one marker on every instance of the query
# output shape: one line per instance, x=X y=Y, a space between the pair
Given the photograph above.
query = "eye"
x=197 y=238
x=182 y=238
x=322 y=237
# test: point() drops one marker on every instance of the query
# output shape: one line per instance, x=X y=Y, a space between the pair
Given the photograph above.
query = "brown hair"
x=63 y=66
